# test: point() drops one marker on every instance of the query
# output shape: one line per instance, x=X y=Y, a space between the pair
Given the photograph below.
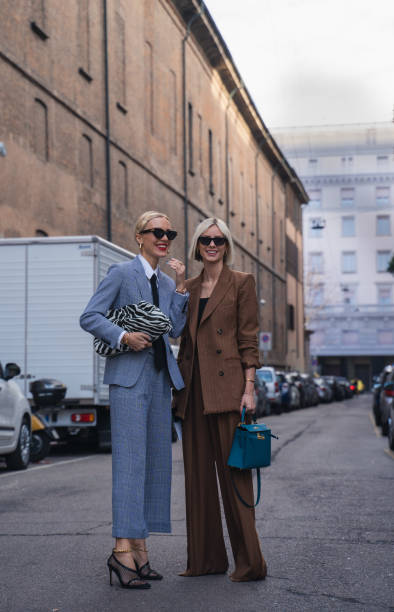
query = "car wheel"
x=390 y=434
x=19 y=459
x=385 y=428
x=40 y=445
x=376 y=415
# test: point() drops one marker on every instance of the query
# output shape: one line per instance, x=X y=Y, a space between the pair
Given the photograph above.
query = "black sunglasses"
x=217 y=240
x=159 y=233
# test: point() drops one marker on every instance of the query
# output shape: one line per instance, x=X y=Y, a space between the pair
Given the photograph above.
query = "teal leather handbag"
x=251 y=448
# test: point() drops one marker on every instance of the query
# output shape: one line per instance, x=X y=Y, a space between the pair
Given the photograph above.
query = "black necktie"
x=159 y=348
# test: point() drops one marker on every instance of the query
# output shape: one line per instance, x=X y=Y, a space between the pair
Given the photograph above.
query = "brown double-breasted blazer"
x=226 y=340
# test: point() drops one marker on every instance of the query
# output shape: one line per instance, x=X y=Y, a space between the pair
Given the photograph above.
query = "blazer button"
x=218 y=351
x=221 y=373
x=219 y=331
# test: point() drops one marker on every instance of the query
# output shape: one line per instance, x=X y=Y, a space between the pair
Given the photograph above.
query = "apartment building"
x=348 y=225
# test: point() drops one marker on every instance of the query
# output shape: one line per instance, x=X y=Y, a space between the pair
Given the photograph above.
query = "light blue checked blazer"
x=126 y=283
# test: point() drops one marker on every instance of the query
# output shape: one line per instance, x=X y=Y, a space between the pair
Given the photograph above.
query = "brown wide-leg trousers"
x=207 y=441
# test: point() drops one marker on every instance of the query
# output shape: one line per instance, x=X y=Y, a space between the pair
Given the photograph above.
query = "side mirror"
x=11 y=370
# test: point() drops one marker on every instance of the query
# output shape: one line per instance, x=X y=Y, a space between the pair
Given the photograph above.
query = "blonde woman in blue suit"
x=140 y=383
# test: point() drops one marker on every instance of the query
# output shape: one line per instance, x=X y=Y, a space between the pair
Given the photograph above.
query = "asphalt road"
x=325 y=521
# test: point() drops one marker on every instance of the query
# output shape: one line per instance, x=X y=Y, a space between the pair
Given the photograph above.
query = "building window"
x=39 y=19
x=173 y=112
x=86 y=160
x=317 y=295
x=383 y=225
x=313 y=163
x=290 y=316
x=347 y=162
x=347 y=197
x=316 y=263
x=219 y=173
x=315 y=198
x=348 y=226
x=349 y=294
x=120 y=53
x=382 y=196
x=384 y=294
x=382 y=260
x=190 y=136
x=385 y=336
x=149 y=86
x=40 y=130
x=123 y=184
x=316 y=227
x=382 y=161
x=349 y=262
x=349 y=337
x=84 y=38
x=210 y=162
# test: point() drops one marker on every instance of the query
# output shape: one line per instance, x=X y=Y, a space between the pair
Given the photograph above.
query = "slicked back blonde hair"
x=201 y=228
x=144 y=219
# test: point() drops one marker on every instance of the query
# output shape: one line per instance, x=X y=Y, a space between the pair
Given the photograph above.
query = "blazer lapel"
x=139 y=276
x=195 y=291
x=218 y=293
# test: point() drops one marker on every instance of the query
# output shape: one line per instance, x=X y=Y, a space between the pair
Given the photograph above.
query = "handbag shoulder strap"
x=238 y=493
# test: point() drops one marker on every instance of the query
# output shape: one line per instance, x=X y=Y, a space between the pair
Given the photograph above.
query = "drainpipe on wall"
x=232 y=94
x=274 y=174
x=107 y=127
x=184 y=103
x=258 y=284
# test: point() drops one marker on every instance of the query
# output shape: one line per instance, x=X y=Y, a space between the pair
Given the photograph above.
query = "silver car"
x=268 y=375
x=15 y=420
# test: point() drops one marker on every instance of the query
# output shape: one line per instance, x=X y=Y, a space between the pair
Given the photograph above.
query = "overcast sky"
x=312 y=62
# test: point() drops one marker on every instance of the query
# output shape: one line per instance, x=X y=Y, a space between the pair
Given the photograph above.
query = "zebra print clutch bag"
x=141 y=317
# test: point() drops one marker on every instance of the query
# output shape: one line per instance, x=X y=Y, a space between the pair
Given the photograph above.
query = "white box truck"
x=45 y=283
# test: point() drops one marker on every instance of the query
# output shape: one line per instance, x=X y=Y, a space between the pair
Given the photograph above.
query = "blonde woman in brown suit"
x=217 y=358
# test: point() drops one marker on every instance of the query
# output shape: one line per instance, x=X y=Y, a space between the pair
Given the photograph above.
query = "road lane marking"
x=376 y=430
x=389 y=452
x=42 y=467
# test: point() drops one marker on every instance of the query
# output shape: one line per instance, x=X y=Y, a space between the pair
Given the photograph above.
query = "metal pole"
x=107 y=127
x=184 y=116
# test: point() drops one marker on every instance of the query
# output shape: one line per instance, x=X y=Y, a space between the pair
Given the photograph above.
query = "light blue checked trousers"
x=141 y=454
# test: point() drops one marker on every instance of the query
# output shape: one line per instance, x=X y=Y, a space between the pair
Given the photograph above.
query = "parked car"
x=15 y=420
x=268 y=375
x=290 y=395
x=346 y=386
x=386 y=400
x=376 y=388
x=377 y=401
x=263 y=407
x=298 y=382
x=311 y=394
x=337 y=389
x=324 y=390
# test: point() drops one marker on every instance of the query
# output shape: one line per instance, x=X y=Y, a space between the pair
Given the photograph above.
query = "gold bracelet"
x=249 y=380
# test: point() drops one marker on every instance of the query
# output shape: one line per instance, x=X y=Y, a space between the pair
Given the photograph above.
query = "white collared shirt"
x=149 y=272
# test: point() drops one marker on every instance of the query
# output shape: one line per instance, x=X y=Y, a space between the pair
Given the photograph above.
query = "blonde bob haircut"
x=144 y=219
x=201 y=228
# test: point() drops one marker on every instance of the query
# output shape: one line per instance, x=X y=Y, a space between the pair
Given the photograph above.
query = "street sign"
x=265 y=341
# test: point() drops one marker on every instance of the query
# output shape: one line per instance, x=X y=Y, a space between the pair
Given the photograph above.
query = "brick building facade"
x=110 y=107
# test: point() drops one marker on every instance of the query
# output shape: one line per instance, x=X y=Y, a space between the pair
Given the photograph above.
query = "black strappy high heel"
x=128 y=578
x=145 y=571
